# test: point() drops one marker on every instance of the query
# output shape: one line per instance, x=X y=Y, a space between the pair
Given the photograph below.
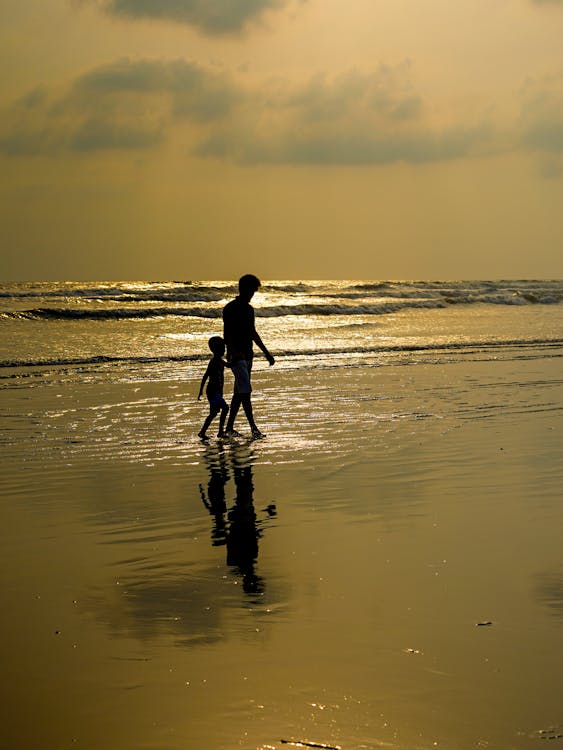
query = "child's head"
x=217 y=345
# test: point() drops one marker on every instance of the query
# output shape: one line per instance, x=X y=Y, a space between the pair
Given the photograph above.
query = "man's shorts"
x=241 y=371
x=216 y=402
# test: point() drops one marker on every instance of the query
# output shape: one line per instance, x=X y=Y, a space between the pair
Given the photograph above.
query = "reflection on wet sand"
x=214 y=498
x=175 y=583
x=241 y=529
x=549 y=591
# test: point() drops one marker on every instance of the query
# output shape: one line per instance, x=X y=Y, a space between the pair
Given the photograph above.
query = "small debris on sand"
x=304 y=743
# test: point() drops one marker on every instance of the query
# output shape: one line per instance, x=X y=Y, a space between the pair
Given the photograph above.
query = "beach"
x=383 y=570
x=386 y=528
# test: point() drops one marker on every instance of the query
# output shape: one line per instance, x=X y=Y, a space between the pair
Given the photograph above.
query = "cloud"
x=352 y=119
x=541 y=119
x=33 y=98
x=552 y=167
x=98 y=133
x=212 y=17
x=192 y=90
x=386 y=92
x=344 y=147
x=355 y=118
x=128 y=104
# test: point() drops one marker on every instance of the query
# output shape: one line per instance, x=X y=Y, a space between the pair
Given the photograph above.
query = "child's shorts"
x=241 y=371
x=216 y=402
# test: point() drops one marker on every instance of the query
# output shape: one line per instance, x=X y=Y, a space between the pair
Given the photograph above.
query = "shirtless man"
x=240 y=334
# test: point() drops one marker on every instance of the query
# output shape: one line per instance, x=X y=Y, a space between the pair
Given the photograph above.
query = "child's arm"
x=203 y=382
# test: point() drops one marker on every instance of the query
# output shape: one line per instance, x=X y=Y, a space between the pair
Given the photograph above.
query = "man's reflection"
x=242 y=529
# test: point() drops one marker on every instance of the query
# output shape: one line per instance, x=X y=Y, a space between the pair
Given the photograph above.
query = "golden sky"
x=200 y=139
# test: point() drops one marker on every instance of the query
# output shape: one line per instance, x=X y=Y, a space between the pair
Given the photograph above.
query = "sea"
x=148 y=329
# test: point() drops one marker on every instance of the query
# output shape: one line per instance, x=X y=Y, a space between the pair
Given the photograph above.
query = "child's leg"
x=212 y=414
x=222 y=418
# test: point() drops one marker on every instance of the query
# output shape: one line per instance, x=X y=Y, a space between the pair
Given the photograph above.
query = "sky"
x=293 y=139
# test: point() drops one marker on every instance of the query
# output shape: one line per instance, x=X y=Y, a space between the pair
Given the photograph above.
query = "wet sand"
x=324 y=584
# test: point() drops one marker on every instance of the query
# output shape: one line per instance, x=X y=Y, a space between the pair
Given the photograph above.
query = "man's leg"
x=247 y=406
x=242 y=389
x=235 y=406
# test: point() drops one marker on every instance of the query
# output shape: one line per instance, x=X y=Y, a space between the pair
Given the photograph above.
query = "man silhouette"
x=240 y=334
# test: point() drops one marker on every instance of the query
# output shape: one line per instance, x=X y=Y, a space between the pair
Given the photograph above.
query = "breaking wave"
x=469 y=346
x=70 y=313
x=382 y=306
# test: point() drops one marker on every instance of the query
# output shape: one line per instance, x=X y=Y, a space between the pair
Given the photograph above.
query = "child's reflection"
x=242 y=529
x=216 y=461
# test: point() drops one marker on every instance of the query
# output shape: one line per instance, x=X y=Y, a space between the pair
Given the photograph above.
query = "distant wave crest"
x=112 y=294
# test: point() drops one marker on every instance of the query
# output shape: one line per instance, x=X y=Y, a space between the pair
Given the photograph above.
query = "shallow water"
x=324 y=584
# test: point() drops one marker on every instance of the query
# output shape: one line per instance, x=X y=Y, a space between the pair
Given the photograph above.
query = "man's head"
x=217 y=345
x=247 y=285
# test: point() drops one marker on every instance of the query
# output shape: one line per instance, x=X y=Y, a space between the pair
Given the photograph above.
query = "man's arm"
x=228 y=328
x=260 y=344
